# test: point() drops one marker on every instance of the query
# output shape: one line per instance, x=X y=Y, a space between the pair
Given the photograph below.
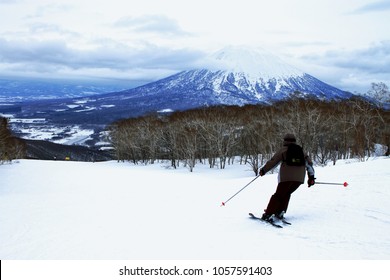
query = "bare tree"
x=379 y=92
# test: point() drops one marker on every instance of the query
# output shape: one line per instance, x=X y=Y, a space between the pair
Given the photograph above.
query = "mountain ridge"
x=234 y=76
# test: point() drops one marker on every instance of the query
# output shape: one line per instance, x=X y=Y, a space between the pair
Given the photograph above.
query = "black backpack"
x=295 y=155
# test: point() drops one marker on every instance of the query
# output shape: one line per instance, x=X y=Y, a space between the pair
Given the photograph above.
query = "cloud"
x=159 y=24
x=356 y=68
x=30 y=51
x=53 y=57
x=373 y=60
x=9 y=1
x=379 y=6
x=39 y=28
x=42 y=11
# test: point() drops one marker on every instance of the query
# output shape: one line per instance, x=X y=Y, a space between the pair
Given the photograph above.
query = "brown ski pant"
x=280 y=199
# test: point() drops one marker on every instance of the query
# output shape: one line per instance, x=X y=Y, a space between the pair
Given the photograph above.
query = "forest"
x=250 y=134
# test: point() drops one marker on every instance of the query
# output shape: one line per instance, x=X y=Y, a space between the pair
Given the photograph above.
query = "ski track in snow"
x=110 y=210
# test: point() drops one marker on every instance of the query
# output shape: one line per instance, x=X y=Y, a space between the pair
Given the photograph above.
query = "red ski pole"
x=345 y=184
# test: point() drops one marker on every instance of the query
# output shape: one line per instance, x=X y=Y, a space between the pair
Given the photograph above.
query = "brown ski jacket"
x=289 y=173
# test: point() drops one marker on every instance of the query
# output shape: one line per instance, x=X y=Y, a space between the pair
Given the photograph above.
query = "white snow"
x=6 y=115
x=83 y=101
x=255 y=62
x=78 y=138
x=73 y=106
x=67 y=135
x=110 y=210
x=165 y=111
x=86 y=109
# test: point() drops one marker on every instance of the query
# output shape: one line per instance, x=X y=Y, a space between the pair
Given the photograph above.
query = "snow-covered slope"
x=69 y=210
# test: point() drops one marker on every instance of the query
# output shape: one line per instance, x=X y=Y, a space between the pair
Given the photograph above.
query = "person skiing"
x=291 y=176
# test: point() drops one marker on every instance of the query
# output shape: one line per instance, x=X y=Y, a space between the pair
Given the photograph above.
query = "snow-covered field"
x=40 y=129
x=73 y=210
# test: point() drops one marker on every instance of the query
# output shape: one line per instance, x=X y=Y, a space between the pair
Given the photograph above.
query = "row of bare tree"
x=327 y=131
x=10 y=147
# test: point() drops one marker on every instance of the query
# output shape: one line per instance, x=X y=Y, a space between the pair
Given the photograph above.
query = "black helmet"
x=289 y=137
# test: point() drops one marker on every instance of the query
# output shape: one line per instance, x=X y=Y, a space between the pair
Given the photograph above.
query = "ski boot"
x=268 y=217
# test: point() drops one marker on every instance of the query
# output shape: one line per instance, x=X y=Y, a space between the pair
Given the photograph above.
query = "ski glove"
x=262 y=172
x=311 y=181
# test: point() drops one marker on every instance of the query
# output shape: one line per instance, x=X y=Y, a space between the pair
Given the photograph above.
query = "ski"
x=268 y=222
x=285 y=222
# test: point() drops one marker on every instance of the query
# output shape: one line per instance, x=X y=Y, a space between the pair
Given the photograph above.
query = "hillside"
x=69 y=210
x=45 y=150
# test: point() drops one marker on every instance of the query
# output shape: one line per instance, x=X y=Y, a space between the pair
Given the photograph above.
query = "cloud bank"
x=356 y=68
x=149 y=40
x=373 y=7
x=57 y=57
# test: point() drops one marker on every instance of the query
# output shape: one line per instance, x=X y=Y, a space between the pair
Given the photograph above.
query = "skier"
x=291 y=176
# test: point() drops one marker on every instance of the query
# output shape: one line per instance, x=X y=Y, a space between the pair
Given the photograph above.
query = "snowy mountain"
x=233 y=76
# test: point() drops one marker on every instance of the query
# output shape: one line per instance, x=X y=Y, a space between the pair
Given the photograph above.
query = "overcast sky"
x=342 y=42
